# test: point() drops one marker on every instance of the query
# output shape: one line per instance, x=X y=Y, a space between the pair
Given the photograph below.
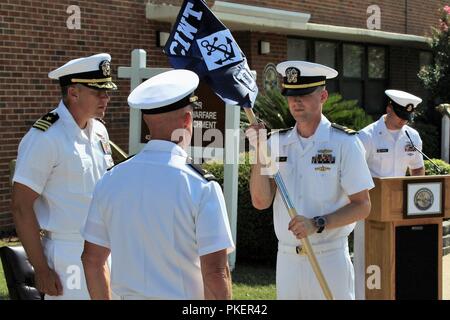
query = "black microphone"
x=439 y=169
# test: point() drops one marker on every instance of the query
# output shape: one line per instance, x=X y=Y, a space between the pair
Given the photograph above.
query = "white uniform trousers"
x=63 y=254
x=296 y=280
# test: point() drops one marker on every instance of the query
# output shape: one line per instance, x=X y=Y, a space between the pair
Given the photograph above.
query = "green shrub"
x=431 y=170
x=256 y=240
x=431 y=140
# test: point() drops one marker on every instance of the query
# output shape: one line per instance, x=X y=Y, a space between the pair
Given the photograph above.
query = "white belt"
x=340 y=243
x=61 y=236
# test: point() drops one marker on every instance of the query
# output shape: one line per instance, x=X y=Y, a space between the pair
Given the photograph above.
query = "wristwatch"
x=320 y=223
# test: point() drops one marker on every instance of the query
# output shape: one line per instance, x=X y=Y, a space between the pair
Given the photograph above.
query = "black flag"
x=201 y=43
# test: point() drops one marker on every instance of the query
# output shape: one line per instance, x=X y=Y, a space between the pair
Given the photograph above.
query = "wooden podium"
x=403 y=236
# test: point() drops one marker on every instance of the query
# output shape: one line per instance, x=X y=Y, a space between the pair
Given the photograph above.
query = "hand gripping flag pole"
x=201 y=43
x=293 y=213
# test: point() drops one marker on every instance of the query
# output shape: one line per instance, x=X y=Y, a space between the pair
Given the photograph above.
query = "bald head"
x=175 y=126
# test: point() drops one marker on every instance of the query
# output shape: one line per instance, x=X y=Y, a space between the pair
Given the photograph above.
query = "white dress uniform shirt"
x=319 y=176
x=319 y=179
x=63 y=164
x=386 y=156
x=158 y=216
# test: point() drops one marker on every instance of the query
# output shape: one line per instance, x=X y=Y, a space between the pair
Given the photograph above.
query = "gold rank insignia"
x=344 y=129
x=322 y=168
x=46 y=121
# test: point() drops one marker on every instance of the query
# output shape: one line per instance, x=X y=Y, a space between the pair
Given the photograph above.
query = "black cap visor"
x=401 y=112
x=298 y=92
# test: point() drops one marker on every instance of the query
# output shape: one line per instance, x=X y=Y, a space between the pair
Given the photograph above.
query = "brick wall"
x=353 y=13
x=249 y=43
x=34 y=39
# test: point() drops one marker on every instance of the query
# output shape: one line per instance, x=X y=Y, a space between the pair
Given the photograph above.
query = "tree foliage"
x=436 y=77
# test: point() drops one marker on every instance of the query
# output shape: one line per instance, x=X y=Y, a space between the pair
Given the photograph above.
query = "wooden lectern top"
x=388 y=196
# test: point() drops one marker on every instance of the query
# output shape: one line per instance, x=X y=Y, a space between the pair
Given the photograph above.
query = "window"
x=374 y=102
x=363 y=68
x=325 y=53
x=352 y=60
x=297 y=49
x=425 y=59
x=377 y=60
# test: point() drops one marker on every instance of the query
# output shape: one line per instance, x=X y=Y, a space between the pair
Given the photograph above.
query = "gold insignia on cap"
x=193 y=99
x=409 y=107
x=292 y=75
x=105 y=65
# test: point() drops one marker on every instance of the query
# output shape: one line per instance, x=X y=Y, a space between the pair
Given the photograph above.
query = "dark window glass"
x=325 y=53
x=377 y=63
x=352 y=60
x=297 y=49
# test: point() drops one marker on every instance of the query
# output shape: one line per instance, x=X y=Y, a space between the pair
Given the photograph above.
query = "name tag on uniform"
x=281 y=159
x=382 y=150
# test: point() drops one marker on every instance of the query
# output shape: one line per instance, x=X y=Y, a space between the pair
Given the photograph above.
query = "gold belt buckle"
x=300 y=250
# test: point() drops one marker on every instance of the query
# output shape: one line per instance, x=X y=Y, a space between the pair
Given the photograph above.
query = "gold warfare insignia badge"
x=423 y=199
x=409 y=107
x=292 y=74
x=105 y=65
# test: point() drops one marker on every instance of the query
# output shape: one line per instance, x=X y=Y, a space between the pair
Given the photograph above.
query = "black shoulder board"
x=46 y=121
x=279 y=131
x=205 y=174
x=101 y=120
x=120 y=162
x=345 y=129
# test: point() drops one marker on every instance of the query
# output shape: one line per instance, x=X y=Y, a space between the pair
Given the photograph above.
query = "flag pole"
x=293 y=213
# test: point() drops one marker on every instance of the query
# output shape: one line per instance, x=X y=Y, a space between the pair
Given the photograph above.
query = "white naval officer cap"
x=403 y=103
x=301 y=77
x=93 y=72
x=165 y=92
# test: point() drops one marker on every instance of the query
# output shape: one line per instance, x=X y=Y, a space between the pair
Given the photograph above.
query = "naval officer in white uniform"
x=389 y=153
x=163 y=220
x=389 y=150
x=59 y=161
x=327 y=178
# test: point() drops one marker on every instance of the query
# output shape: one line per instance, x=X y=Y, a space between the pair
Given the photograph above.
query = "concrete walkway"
x=446 y=277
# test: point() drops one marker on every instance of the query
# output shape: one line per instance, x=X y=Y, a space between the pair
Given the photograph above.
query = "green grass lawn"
x=252 y=282
x=249 y=282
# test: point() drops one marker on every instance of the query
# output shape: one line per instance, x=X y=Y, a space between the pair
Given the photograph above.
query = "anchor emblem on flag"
x=219 y=49
x=227 y=54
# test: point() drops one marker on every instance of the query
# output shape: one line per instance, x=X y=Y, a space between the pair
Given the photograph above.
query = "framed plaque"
x=424 y=198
